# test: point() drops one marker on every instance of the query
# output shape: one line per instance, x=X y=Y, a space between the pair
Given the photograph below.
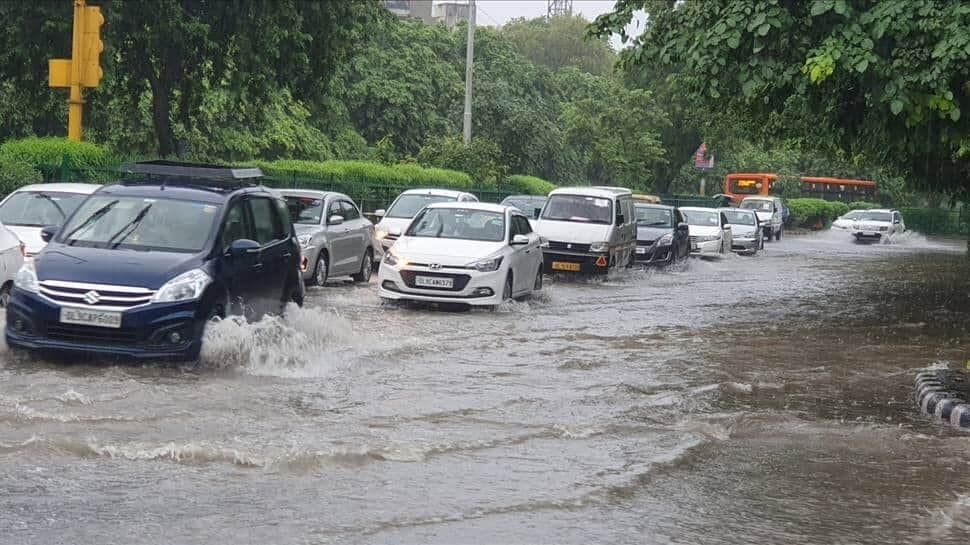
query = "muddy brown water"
x=742 y=400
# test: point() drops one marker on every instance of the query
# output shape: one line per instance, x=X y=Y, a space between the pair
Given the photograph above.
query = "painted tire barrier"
x=944 y=394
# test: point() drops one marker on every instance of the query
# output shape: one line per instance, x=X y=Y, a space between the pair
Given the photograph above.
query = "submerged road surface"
x=745 y=400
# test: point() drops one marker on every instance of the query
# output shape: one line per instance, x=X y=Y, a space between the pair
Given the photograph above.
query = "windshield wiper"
x=52 y=201
x=128 y=229
x=90 y=220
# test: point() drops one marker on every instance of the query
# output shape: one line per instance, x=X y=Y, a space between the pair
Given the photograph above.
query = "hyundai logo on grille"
x=434 y=266
x=92 y=297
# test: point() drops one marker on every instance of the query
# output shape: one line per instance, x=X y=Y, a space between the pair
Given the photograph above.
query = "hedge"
x=14 y=175
x=814 y=213
x=529 y=185
x=933 y=221
x=364 y=172
x=43 y=152
x=863 y=205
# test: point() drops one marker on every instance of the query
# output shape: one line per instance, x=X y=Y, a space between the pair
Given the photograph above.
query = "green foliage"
x=529 y=185
x=14 y=174
x=559 y=43
x=934 y=221
x=863 y=205
x=814 y=213
x=482 y=158
x=91 y=161
x=362 y=172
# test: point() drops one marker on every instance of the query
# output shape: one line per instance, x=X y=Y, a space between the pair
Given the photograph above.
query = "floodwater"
x=741 y=400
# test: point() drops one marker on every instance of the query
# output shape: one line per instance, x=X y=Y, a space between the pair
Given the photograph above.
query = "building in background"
x=449 y=12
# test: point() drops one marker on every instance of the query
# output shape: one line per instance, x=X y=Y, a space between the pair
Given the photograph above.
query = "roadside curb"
x=944 y=394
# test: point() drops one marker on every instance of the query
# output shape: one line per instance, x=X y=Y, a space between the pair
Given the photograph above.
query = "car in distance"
x=12 y=254
x=662 y=234
x=710 y=233
x=31 y=208
x=143 y=265
x=336 y=240
x=588 y=230
x=878 y=225
x=771 y=214
x=845 y=221
x=746 y=233
x=530 y=205
x=463 y=252
x=398 y=216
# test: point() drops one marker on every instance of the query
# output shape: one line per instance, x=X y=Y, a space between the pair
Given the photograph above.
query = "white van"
x=770 y=212
x=588 y=230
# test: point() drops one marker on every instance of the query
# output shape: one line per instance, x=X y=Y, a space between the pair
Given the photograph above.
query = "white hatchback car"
x=462 y=252
x=31 y=208
x=710 y=232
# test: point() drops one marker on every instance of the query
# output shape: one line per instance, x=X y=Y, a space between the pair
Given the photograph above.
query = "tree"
x=560 y=42
x=481 y=159
x=884 y=81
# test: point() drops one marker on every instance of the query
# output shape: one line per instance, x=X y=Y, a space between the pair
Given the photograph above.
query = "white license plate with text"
x=96 y=318
x=433 y=282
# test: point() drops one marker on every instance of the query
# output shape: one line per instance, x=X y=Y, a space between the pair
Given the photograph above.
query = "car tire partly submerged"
x=322 y=270
x=366 y=268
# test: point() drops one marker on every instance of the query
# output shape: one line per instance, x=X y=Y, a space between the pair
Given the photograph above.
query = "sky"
x=499 y=12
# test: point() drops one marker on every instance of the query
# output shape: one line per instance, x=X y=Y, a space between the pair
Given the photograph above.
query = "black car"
x=662 y=235
x=140 y=267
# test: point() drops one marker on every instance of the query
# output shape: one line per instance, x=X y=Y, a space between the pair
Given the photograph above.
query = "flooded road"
x=745 y=400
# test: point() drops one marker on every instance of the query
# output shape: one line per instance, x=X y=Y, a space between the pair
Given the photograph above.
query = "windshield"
x=853 y=215
x=39 y=208
x=526 y=205
x=406 y=206
x=648 y=216
x=739 y=217
x=760 y=206
x=304 y=210
x=875 y=216
x=578 y=208
x=137 y=223
x=461 y=223
x=701 y=217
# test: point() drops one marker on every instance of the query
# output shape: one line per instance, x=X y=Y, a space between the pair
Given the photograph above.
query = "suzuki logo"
x=92 y=297
x=569 y=246
x=434 y=266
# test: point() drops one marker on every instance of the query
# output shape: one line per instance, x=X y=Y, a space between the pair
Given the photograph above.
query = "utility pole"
x=83 y=69
x=469 y=62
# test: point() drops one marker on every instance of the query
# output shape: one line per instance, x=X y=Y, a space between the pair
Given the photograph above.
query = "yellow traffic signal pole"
x=76 y=102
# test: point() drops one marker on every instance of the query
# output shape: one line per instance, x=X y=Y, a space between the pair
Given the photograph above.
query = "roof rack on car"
x=193 y=173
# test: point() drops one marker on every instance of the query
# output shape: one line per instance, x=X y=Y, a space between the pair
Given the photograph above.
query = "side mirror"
x=48 y=232
x=520 y=240
x=536 y=212
x=683 y=227
x=727 y=227
x=396 y=231
x=380 y=213
x=242 y=247
x=335 y=220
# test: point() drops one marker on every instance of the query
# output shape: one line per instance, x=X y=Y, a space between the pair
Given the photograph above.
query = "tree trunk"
x=161 y=109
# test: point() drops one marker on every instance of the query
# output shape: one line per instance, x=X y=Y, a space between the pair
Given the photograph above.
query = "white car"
x=11 y=259
x=31 y=208
x=398 y=216
x=710 y=231
x=462 y=252
x=771 y=214
x=845 y=222
x=878 y=225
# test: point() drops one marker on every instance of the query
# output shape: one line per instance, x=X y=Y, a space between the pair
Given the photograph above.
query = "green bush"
x=934 y=221
x=362 y=172
x=49 y=153
x=529 y=185
x=814 y=213
x=14 y=175
x=863 y=205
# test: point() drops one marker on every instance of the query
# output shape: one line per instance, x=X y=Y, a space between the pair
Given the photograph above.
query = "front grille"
x=460 y=280
x=95 y=295
x=568 y=246
x=645 y=242
x=81 y=333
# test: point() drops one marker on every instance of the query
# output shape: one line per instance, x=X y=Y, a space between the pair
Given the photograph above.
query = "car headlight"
x=26 y=278
x=380 y=234
x=487 y=265
x=305 y=240
x=184 y=287
x=707 y=238
x=599 y=247
x=665 y=240
x=390 y=258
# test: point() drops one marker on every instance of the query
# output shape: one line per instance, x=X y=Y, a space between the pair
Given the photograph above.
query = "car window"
x=266 y=223
x=235 y=226
x=349 y=211
x=520 y=226
x=305 y=210
x=39 y=208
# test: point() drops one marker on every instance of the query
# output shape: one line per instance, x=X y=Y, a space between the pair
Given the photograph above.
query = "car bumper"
x=556 y=262
x=308 y=261
x=470 y=287
x=874 y=235
x=654 y=254
x=33 y=322
x=744 y=244
x=710 y=247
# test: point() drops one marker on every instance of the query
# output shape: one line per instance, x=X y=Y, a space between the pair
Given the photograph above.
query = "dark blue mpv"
x=143 y=265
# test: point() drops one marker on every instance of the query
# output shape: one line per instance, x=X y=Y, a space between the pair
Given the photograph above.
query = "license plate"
x=565 y=266
x=641 y=250
x=97 y=318
x=433 y=282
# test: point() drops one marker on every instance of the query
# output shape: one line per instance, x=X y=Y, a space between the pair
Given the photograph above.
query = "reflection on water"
x=739 y=400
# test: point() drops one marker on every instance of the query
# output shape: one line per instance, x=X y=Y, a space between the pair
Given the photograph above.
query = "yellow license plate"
x=565 y=266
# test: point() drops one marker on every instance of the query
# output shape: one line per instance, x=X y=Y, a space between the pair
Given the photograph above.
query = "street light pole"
x=469 y=61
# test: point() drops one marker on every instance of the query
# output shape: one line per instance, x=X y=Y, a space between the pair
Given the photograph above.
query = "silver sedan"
x=747 y=231
x=336 y=240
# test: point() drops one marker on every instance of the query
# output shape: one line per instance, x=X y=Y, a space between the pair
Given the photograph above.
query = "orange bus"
x=741 y=185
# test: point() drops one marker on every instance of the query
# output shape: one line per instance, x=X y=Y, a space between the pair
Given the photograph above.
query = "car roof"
x=484 y=206
x=733 y=209
x=760 y=198
x=697 y=209
x=81 y=189
x=310 y=193
x=436 y=192
x=643 y=204
x=173 y=190
x=880 y=210
x=594 y=191
x=536 y=197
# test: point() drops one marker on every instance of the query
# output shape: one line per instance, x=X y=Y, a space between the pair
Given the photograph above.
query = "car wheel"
x=4 y=296
x=322 y=270
x=538 y=283
x=366 y=268
x=778 y=235
x=507 y=290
